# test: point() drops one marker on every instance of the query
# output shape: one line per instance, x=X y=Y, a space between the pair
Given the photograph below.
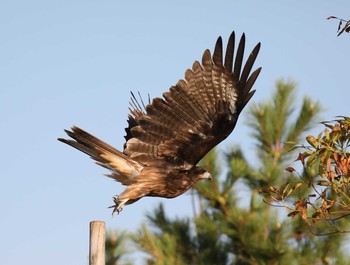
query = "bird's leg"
x=119 y=204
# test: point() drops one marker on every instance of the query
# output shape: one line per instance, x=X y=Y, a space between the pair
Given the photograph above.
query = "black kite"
x=166 y=139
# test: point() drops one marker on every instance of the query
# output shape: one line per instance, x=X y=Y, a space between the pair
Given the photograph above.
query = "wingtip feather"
x=217 y=56
x=230 y=48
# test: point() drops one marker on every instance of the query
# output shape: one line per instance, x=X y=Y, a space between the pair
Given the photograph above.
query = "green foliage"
x=116 y=248
x=226 y=231
x=323 y=198
x=173 y=242
x=274 y=131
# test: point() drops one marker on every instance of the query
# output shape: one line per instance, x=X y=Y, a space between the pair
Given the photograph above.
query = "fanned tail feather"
x=124 y=168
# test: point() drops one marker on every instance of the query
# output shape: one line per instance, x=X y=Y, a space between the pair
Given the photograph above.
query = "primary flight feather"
x=167 y=138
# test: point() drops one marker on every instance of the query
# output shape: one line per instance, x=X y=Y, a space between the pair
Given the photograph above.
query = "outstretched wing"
x=196 y=114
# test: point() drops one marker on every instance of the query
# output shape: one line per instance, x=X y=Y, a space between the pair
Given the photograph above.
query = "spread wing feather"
x=229 y=53
x=196 y=114
x=198 y=79
x=207 y=77
x=195 y=88
x=239 y=59
x=136 y=111
x=161 y=112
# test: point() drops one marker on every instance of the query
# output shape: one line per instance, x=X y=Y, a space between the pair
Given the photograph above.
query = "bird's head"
x=201 y=173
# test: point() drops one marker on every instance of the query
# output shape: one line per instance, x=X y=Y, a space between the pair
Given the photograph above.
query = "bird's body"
x=167 y=138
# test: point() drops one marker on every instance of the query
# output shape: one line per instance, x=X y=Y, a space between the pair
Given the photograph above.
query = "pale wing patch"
x=121 y=166
x=232 y=97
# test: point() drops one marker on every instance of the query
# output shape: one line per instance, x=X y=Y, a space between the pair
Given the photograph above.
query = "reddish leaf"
x=292 y=214
x=336 y=157
x=340 y=23
x=297 y=185
x=290 y=169
x=324 y=183
x=331 y=17
x=337 y=170
x=302 y=157
x=312 y=140
x=301 y=205
x=303 y=215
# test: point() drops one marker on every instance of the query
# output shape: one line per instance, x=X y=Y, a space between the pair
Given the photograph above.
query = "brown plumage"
x=167 y=138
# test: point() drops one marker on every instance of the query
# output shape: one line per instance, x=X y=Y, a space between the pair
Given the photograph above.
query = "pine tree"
x=117 y=248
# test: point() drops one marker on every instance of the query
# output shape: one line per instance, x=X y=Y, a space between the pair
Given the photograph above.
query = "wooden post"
x=97 y=243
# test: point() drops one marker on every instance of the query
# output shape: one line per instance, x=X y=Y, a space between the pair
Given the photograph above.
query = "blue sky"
x=65 y=63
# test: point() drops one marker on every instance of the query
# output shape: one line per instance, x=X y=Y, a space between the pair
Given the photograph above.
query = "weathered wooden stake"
x=97 y=243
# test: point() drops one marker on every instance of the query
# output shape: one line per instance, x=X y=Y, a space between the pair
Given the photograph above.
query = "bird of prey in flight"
x=167 y=138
